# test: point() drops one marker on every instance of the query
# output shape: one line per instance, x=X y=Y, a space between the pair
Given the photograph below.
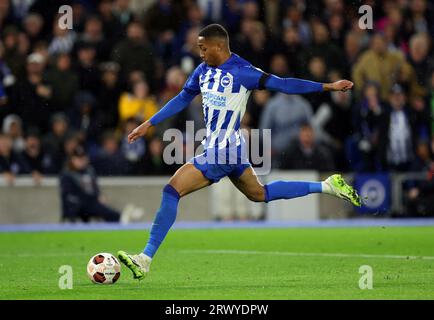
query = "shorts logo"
x=226 y=81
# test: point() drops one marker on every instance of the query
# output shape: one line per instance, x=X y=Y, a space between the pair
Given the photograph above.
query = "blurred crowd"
x=124 y=59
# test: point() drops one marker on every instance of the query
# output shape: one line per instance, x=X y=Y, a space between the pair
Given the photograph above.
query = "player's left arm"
x=298 y=86
x=254 y=78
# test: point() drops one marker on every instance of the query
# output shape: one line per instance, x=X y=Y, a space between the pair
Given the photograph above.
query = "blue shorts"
x=215 y=171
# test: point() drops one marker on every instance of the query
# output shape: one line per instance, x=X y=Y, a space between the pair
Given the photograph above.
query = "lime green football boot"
x=336 y=185
x=139 y=264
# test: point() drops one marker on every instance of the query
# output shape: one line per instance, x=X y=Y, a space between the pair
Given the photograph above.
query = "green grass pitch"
x=292 y=263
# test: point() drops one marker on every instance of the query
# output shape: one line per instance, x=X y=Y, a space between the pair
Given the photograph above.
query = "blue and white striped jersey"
x=225 y=90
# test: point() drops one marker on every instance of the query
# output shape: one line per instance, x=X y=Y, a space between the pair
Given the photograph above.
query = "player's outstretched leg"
x=186 y=180
x=334 y=185
x=249 y=184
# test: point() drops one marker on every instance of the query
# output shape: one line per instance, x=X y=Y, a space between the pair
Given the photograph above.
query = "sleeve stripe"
x=190 y=91
x=264 y=77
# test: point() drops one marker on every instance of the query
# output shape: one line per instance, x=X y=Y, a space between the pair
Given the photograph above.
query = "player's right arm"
x=177 y=104
x=180 y=102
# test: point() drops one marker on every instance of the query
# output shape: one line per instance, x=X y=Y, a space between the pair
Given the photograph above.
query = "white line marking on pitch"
x=310 y=254
x=245 y=252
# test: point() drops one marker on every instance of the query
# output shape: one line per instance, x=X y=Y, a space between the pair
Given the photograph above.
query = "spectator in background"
x=189 y=57
x=7 y=80
x=212 y=9
x=279 y=65
x=324 y=48
x=420 y=117
x=250 y=10
x=336 y=25
x=122 y=11
x=284 y=114
x=294 y=51
x=41 y=47
x=82 y=116
x=80 y=10
x=3 y=96
x=383 y=66
x=175 y=80
x=63 y=39
x=33 y=27
x=108 y=97
x=420 y=199
x=419 y=18
x=32 y=95
x=294 y=19
x=13 y=128
x=53 y=142
x=37 y=161
x=391 y=25
x=255 y=108
x=135 y=53
x=110 y=161
x=154 y=162
x=139 y=105
x=11 y=162
x=256 y=48
x=139 y=7
x=431 y=108
x=419 y=59
x=80 y=194
x=317 y=71
x=352 y=49
x=94 y=36
x=423 y=160
x=72 y=141
x=23 y=43
x=13 y=57
x=394 y=40
x=21 y=8
x=111 y=26
x=397 y=133
x=306 y=154
x=64 y=83
x=5 y=14
x=337 y=128
x=392 y=15
x=87 y=68
x=366 y=123
x=193 y=23
x=162 y=20
x=134 y=153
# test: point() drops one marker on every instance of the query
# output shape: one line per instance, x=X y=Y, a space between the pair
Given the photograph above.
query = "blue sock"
x=164 y=219
x=290 y=189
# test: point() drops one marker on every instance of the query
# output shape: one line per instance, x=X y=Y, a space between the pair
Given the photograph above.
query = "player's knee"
x=256 y=195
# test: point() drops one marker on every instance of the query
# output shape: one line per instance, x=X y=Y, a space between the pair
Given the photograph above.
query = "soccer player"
x=225 y=81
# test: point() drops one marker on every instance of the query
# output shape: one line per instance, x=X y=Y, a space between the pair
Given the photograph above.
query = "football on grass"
x=103 y=268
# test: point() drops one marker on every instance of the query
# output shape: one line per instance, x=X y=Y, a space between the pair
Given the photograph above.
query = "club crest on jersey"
x=225 y=81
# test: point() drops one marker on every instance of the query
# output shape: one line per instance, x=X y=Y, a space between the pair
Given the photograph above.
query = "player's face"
x=209 y=50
